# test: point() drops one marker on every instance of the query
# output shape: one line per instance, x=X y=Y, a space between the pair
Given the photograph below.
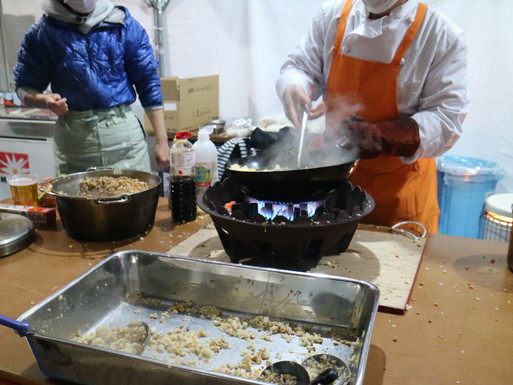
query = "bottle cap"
x=183 y=134
x=205 y=131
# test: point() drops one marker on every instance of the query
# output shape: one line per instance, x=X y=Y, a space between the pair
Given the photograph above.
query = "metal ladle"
x=288 y=368
x=302 y=137
x=302 y=377
x=328 y=361
x=327 y=376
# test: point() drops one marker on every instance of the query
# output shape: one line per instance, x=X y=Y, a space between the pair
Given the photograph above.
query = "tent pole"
x=159 y=6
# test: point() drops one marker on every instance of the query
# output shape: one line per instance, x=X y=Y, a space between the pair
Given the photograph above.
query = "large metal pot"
x=105 y=219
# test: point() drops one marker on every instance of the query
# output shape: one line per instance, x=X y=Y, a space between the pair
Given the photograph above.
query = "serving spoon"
x=132 y=331
x=146 y=337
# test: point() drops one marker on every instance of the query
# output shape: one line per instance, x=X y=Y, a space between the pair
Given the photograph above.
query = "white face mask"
x=378 y=6
x=81 y=6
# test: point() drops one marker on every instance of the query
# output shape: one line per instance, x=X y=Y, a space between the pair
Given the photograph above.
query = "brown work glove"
x=389 y=137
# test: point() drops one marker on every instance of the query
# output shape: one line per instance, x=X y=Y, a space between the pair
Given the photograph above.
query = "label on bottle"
x=203 y=175
x=182 y=162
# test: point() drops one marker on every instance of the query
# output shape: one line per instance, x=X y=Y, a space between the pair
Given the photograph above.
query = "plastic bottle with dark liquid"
x=182 y=185
x=182 y=198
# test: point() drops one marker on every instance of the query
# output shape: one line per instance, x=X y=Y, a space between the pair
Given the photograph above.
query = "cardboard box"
x=41 y=216
x=188 y=103
x=174 y=88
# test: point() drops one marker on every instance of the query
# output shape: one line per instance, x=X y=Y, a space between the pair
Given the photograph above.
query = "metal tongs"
x=302 y=137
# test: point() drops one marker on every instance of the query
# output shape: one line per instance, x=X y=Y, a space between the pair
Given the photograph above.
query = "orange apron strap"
x=342 y=23
x=410 y=34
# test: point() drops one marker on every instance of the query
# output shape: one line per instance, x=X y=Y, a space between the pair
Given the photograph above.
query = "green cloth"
x=112 y=137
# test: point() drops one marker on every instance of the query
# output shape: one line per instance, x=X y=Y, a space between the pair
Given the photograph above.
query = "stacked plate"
x=16 y=233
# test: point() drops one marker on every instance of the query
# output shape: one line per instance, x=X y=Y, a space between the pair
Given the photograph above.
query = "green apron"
x=112 y=137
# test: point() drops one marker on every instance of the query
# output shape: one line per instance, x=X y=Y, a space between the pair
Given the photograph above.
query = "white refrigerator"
x=25 y=147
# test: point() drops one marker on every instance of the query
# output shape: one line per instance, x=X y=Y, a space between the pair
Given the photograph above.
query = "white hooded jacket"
x=432 y=81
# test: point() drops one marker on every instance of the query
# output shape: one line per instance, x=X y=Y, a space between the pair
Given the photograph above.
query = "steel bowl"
x=105 y=219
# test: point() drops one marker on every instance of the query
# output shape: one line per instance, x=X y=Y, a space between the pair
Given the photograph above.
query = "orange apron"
x=403 y=192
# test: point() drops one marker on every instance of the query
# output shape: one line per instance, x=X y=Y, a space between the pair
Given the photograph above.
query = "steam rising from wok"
x=323 y=147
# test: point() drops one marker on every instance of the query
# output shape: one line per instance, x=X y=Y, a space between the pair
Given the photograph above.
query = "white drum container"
x=497 y=218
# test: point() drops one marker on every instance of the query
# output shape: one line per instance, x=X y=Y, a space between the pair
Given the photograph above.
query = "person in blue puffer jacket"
x=87 y=61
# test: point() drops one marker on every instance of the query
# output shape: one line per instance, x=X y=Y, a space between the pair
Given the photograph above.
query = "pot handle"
x=21 y=328
x=397 y=229
x=123 y=199
x=46 y=186
x=99 y=168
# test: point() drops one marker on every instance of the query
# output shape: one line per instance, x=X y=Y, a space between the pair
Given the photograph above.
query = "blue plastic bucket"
x=464 y=183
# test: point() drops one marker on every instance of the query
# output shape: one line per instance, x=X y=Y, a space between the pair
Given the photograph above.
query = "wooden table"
x=458 y=331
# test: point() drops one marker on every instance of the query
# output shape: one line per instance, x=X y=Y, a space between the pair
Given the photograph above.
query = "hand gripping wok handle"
x=21 y=328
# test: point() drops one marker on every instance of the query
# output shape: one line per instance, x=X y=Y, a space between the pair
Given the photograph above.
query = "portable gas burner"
x=284 y=235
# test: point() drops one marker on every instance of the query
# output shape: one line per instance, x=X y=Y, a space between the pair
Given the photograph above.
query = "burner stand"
x=251 y=239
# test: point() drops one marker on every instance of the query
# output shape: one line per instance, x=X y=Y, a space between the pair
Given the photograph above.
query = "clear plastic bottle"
x=206 y=160
x=182 y=187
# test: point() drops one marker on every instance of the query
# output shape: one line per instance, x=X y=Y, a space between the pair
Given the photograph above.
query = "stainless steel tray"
x=104 y=296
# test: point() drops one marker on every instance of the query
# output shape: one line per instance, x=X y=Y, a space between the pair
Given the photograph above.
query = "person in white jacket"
x=400 y=68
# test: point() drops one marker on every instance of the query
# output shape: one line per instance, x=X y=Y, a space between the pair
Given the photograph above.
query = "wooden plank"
x=390 y=261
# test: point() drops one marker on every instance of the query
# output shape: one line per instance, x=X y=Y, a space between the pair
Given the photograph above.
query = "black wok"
x=288 y=185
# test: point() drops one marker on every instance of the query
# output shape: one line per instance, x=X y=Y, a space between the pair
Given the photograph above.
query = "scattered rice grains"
x=182 y=341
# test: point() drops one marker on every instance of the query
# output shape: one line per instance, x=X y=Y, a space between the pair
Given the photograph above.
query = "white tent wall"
x=488 y=129
x=246 y=41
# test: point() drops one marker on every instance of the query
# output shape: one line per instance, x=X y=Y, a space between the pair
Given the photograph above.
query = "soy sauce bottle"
x=182 y=188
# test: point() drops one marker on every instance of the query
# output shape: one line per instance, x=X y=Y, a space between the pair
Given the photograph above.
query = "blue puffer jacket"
x=97 y=70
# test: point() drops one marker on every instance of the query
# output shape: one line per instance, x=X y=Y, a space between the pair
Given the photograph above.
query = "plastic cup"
x=24 y=189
